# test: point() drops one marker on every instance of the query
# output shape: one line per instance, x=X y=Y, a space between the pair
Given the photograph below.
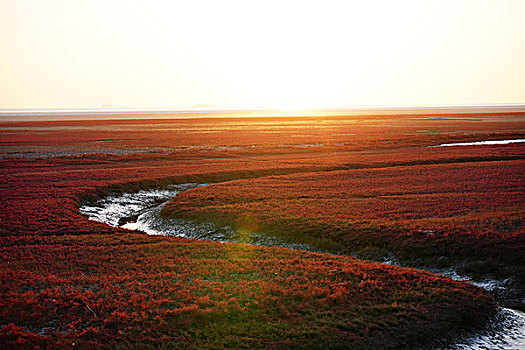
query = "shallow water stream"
x=481 y=143
x=141 y=211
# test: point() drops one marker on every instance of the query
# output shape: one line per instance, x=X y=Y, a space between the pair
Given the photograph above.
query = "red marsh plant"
x=69 y=281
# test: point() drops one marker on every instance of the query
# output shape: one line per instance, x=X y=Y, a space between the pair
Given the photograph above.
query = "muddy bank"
x=141 y=211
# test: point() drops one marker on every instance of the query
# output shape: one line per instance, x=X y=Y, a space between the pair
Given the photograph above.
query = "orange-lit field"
x=369 y=187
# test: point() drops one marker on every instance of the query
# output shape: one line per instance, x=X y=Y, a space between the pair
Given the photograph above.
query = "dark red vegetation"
x=135 y=291
x=68 y=280
x=413 y=210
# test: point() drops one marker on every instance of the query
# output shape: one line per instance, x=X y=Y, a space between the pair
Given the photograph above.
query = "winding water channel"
x=141 y=211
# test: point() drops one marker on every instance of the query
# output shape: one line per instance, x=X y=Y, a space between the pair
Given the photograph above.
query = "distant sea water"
x=16 y=115
x=108 y=113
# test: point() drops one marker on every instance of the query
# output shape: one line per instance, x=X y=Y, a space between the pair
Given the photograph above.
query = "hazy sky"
x=275 y=54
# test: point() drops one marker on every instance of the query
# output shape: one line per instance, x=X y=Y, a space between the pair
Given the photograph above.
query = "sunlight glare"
x=272 y=54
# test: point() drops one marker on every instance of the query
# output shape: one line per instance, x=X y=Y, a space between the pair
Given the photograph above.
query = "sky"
x=260 y=54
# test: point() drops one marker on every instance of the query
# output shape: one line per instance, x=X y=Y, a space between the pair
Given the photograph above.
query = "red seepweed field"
x=366 y=186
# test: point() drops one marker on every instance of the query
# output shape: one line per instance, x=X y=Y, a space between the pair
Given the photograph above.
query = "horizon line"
x=47 y=114
x=225 y=108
